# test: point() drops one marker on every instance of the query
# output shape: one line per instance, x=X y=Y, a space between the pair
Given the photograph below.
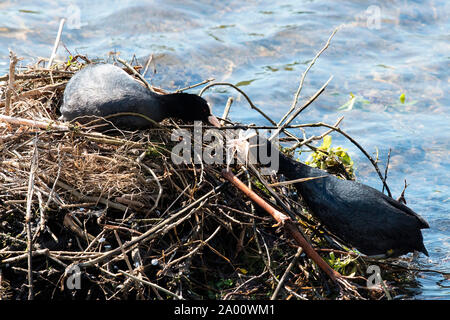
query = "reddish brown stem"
x=286 y=222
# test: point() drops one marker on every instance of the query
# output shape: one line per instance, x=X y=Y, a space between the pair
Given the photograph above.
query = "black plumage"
x=102 y=90
x=360 y=215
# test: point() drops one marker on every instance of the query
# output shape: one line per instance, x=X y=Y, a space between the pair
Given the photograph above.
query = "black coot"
x=104 y=89
x=362 y=216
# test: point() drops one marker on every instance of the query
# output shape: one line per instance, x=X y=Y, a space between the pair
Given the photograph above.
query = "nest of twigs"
x=114 y=207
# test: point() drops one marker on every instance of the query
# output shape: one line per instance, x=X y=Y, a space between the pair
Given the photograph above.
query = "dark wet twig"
x=297 y=112
x=306 y=141
x=252 y=105
x=402 y=198
x=195 y=85
x=137 y=74
x=153 y=285
x=286 y=272
x=387 y=168
x=147 y=65
x=300 y=86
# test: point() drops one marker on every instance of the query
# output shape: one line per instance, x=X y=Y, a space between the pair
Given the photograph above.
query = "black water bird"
x=101 y=90
x=360 y=215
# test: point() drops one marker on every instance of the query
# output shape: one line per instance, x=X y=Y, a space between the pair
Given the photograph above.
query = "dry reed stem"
x=226 y=111
x=11 y=81
x=28 y=217
x=55 y=46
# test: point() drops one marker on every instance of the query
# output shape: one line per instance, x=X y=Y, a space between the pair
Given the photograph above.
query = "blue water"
x=383 y=50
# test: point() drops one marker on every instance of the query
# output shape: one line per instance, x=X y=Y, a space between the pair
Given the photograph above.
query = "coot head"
x=103 y=90
x=191 y=107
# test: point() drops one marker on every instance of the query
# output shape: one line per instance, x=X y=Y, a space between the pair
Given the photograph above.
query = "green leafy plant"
x=72 y=62
x=69 y=62
x=331 y=158
x=401 y=103
x=354 y=102
x=152 y=151
x=345 y=267
x=260 y=186
x=224 y=283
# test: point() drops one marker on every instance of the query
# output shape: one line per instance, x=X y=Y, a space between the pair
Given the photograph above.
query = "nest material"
x=138 y=226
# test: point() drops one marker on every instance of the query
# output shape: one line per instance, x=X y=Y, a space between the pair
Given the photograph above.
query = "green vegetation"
x=327 y=157
x=354 y=102
x=346 y=267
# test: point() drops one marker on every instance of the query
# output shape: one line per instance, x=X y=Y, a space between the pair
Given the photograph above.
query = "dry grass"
x=136 y=225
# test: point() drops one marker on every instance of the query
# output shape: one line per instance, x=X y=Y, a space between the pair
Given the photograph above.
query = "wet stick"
x=195 y=85
x=296 y=113
x=286 y=272
x=300 y=86
x=147 y=65
x=387 y=168
x=252 y=105
x=306 y=141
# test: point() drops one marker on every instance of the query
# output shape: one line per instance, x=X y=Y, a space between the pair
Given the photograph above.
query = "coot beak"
x=213 y=121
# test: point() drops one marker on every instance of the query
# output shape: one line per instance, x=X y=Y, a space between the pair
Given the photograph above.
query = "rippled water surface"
x=381 y=52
